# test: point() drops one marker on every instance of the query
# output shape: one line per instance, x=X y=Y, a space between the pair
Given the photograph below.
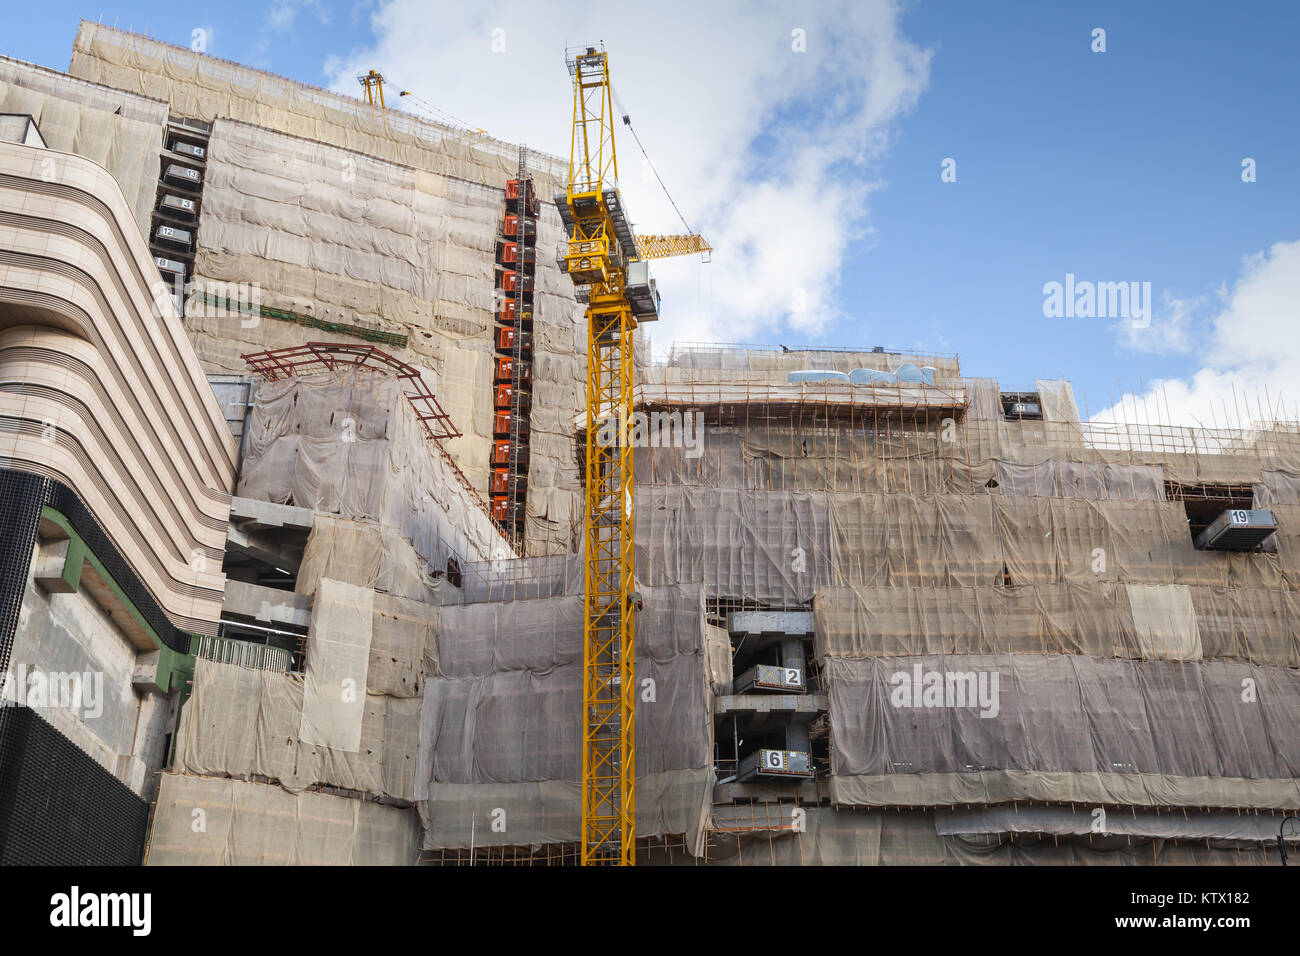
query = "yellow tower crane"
x=372 y=84
x=607 y=263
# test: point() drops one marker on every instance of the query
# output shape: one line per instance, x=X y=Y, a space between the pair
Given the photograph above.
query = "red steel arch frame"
x=321 y=357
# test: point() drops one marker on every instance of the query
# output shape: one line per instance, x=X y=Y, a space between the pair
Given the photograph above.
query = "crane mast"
x=600 y=242
x=607 y=264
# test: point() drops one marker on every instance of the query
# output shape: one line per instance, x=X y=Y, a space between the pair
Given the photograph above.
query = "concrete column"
x=792 y=653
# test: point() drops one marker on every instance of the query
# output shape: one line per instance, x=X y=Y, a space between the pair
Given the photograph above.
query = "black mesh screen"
x=21 y=497
x=58 y=807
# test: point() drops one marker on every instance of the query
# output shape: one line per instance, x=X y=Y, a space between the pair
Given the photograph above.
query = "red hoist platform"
x=512 y=381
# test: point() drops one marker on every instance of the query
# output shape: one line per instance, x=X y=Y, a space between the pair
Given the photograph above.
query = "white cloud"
x=1173 y=328
x=1251 y=349
x=283 y=12
x=770 y=153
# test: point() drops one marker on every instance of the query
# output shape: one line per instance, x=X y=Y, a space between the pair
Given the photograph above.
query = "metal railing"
x=243 y=653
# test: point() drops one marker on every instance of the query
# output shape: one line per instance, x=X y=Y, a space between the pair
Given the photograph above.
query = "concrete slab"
x=253 y=515
x=790 y=623
x=267 y=604
x=810 y=704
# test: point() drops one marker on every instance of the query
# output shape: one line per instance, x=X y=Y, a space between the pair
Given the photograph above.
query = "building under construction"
x=294 y=444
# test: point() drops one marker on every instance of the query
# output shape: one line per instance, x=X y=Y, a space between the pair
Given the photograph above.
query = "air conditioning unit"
x=184 y=175
x=177 y=237
x=178 y=206
x=169 y=266
x=774 y=764
x=763 y=677
x=1238 y=529
x=190 y=150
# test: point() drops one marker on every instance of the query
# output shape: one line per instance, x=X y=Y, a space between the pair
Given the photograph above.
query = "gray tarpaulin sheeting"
x=780 y=547
x=1067 y=728
x=458 y=816
x=349 y=443
x=830 y=837
x=984 y=399
x=502 y=720
x=1093 y=618
x=738 y=543
x=1277 y=488
x=402 y=646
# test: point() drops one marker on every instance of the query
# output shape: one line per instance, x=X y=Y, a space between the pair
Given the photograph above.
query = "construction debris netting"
x=708 y=364
x=847 y=837
x=965 y=729
x=368 y=554
x=349 y=443
x=779 y=548
x=490 y=753
x=340 y=212
x=833 y=438
x=328 y=233
x=1218 y=825
x=266 y=725
x=500 y=737
x=1135 y=669
x=346 y=236
x=208 y=821
x=120 y=131
x=204 y=87
x=1097 y=619
x=338 y=655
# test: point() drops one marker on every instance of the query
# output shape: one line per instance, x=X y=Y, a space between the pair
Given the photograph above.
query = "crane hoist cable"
x=627 y=121
x=455 y=120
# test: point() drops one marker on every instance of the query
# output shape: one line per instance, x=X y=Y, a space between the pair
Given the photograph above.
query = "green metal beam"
x=174 y=668
x=284 y=315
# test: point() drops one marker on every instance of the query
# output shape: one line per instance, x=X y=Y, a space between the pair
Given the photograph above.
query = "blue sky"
x=1115 y=166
